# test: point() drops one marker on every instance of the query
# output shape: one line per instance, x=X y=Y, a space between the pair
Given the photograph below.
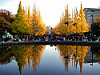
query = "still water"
x=50 y=60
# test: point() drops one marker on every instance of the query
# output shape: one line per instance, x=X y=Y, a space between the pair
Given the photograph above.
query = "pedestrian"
x=64 y=38
x=3 y=38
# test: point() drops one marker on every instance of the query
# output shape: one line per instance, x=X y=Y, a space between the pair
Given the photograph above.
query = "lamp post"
x=92 y=27
x=67 y=25
x=92 y=50
x=75 y=24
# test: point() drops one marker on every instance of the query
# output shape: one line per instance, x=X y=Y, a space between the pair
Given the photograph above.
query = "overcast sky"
x=51 y=10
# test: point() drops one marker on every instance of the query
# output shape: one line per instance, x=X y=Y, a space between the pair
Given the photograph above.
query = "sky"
x=50 y=10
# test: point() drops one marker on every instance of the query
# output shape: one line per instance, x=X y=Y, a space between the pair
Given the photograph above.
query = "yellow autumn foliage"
x=75 y=24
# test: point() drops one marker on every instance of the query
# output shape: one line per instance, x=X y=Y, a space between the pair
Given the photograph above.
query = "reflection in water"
x=93 y=55
x=74 y=54
x=23 y=55
x=5 y=55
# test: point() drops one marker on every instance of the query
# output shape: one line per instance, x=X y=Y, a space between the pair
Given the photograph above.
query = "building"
x=91 y=11
x=49 y=29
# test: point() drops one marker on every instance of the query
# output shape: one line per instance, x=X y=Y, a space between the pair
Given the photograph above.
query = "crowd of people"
x=51 y=38
x=56 y=38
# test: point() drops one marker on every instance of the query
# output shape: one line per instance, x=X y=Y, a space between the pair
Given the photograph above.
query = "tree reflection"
x=5 y=55
x=74 y=54
x=23 y=55
x=26 y=56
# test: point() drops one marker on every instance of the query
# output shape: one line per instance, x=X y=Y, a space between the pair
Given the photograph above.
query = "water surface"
x=50 y=60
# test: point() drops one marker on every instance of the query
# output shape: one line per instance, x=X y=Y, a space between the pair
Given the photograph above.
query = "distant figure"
x=64 y=38
x=28 y=38
x=15 y=37
x=3 y=38
x=46 y=38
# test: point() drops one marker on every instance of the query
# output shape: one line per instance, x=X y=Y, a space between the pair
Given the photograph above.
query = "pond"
x=50 y=60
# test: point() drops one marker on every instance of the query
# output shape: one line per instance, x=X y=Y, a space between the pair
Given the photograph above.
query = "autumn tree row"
x=24 y=55
x=75 y=24
x=76 y=53
x=5 y=22
x=25 y=23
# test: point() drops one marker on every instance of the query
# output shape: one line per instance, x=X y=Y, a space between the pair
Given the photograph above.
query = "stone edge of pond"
x=85 y=43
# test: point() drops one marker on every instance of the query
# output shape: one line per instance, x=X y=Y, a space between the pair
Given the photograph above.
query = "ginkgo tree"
x=75 y=24
x=38 y=28
x=26 y=23
x=29 y=20
x=19 y=25
x=62 y=28
x=83 y=26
